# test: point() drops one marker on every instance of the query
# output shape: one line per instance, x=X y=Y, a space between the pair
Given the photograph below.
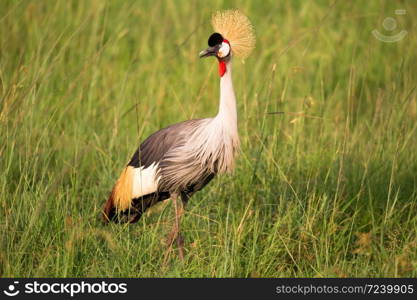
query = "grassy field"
x=326 y=188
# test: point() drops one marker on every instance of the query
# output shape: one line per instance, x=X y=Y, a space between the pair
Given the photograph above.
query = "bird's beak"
x=210 y=51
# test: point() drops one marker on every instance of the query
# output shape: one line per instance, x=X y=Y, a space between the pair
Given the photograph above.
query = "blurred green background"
x=326 y=188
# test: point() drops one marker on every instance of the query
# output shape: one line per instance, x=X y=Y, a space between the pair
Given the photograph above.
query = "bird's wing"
x=146 y=160
x=155 y=147
x=140 y=177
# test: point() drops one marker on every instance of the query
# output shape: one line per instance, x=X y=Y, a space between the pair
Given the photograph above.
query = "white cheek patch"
x=224 y=50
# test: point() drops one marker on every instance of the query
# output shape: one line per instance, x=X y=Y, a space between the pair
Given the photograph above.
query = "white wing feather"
x=145 y=181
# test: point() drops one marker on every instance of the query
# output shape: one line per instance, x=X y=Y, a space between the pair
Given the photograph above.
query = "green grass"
x=327 y=188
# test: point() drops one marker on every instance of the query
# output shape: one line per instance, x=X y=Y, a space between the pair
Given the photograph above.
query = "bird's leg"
x=179 y=211
x=175 y=234
x=181 y=207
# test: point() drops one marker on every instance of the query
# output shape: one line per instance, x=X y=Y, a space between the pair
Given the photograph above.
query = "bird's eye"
x=224 y=50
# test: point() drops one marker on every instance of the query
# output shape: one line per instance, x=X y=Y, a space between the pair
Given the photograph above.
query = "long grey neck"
x=227 y=108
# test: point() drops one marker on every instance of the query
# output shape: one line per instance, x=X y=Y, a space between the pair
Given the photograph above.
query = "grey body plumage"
x=158 y=148
x=188 y=155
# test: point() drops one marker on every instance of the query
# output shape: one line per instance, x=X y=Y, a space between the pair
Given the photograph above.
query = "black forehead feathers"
x=215 y=39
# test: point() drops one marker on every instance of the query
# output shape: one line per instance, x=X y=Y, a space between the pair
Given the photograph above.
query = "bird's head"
x=233 y=35
x=218 y=46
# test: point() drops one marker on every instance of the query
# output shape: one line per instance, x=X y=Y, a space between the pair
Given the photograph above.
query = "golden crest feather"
x=237 y=29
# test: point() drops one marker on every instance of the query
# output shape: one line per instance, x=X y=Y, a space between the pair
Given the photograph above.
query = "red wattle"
x=222 y=68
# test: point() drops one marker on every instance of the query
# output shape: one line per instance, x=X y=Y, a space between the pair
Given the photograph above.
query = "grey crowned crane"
x=181 y=159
